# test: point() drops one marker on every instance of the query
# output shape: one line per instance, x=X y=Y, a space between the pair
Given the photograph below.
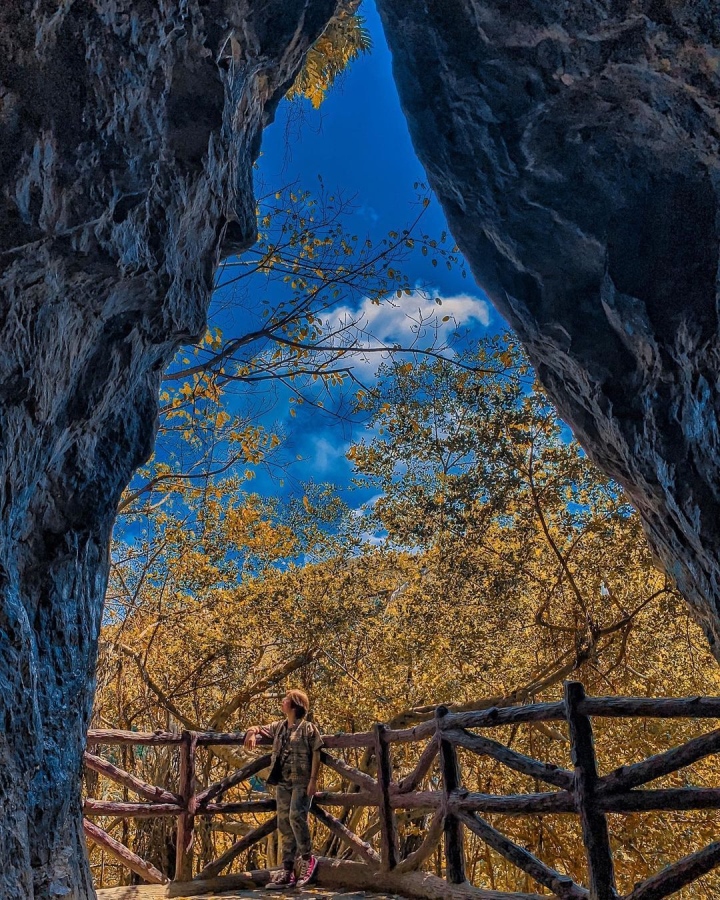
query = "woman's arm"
x=315 y=768
x=251 y=736
x=256 y=731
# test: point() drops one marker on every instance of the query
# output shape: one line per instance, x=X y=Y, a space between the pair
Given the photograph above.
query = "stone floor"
x=154 y=893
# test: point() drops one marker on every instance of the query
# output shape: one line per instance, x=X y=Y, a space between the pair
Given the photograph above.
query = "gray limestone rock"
x=128 y=130
x=574 y=146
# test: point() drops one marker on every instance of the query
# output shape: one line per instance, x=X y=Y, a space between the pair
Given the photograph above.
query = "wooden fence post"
x=592 y=819
x=388 y=822
x=453 y=829
x=186 y=819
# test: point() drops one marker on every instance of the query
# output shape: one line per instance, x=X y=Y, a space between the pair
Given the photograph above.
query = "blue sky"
x=359 y=144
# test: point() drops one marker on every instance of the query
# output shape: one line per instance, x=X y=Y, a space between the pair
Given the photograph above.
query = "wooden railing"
x=577 y=790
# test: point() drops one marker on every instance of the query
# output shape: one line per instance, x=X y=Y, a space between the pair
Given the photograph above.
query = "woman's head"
x=296 y=701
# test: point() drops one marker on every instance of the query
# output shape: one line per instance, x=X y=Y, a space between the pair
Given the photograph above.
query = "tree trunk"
x=127 y=136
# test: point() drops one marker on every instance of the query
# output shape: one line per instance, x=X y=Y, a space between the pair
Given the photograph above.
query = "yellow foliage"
x=510 y=564
x=344 y=39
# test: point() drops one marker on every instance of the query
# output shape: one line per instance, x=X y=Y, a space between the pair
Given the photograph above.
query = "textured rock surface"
x=128 y=129
x=575 y=148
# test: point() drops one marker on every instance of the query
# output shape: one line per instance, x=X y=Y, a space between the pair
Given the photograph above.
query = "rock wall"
x=128 y=129
x=575 y=149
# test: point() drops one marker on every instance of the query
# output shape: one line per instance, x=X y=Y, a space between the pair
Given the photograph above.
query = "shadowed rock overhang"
x=575 y=148
x=128 y=132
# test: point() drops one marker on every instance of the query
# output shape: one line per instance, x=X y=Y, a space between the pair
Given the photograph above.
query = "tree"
x=344 y=39
x=294 y=322
x=478 y=607
x=545 y=563
x=474 y=468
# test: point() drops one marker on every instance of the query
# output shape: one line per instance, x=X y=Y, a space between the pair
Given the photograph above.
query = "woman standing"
x=294 y=769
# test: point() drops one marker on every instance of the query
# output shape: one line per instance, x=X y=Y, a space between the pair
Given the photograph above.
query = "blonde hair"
x=300 y=702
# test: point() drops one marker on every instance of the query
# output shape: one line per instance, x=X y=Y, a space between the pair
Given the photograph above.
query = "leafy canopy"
x=496 y=562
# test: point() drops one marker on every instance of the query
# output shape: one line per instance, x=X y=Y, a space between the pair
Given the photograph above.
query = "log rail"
x=579 y=790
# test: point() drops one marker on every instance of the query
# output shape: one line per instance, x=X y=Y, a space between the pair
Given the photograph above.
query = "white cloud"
x=368 y=212
x=326 y=454
x=359 y=512
x=418 y=321
x=402 y=318
x=372 y=540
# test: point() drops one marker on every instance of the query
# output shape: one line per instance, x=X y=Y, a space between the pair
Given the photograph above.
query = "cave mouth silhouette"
x=562 y=144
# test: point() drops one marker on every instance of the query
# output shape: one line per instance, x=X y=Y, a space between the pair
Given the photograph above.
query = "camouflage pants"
x=293 y=804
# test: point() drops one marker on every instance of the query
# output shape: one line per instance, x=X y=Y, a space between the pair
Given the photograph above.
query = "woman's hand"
x=312 y=787
x=250 y=738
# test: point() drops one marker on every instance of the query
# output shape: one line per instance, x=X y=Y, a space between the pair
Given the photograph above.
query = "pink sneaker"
x=308 y=870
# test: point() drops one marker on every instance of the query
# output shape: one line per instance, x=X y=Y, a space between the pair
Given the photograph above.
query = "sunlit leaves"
x=343 y=41
x=495 y=562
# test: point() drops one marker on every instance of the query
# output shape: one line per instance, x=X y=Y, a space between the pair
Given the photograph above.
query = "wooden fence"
x=577 y=790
